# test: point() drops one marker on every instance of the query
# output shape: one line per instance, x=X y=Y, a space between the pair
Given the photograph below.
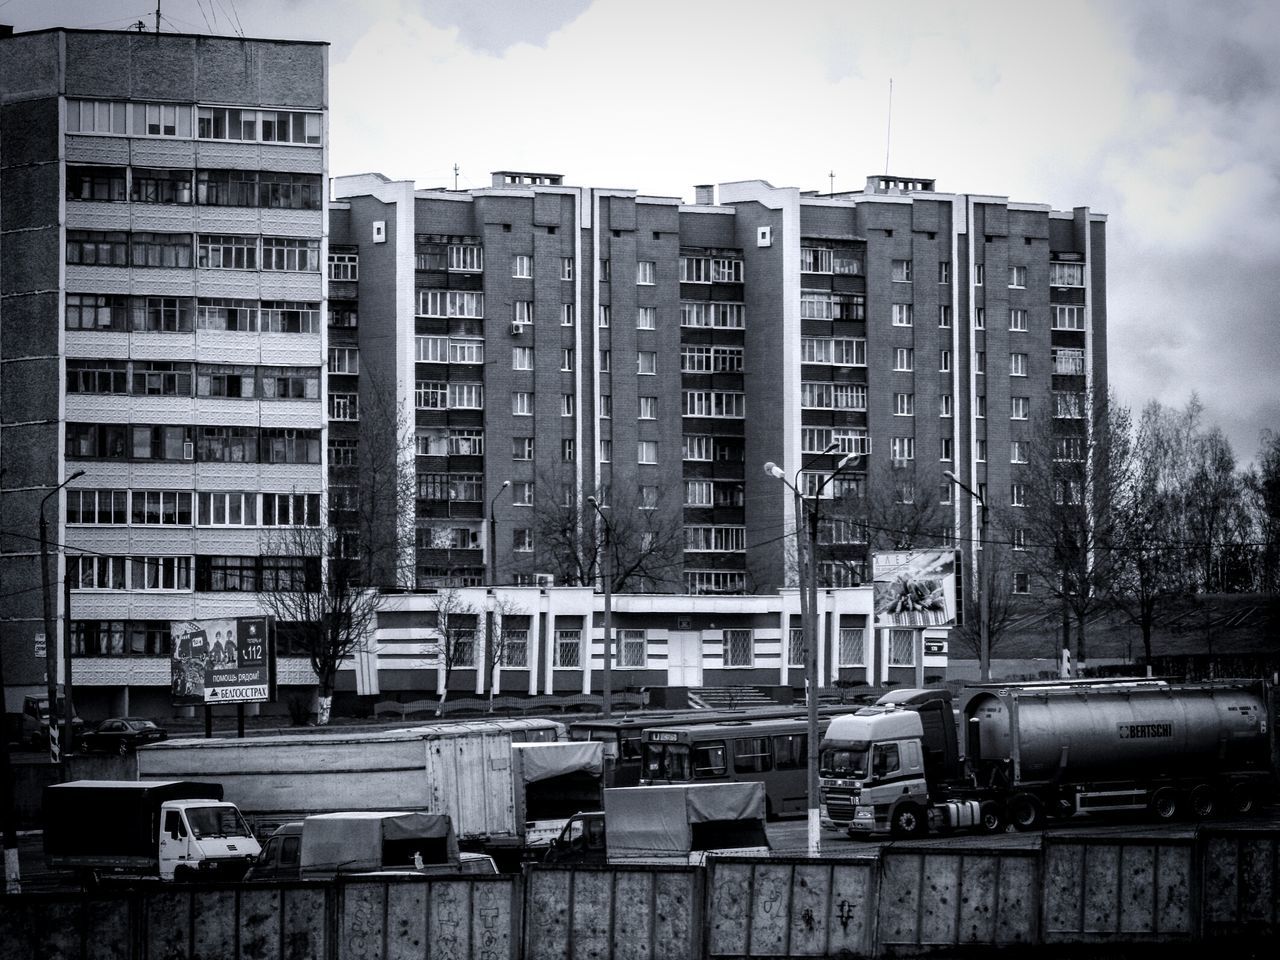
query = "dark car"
x=122 y=734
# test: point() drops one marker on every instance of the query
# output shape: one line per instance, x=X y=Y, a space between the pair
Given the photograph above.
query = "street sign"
x=40 y=651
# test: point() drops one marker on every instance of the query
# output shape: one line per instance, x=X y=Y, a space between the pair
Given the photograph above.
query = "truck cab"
x=871 y=769
x=204 y=840
x=580 y=842
x=35 y=722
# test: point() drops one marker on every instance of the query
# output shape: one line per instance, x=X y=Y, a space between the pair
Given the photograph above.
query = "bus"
x=773 y=752
x=624 y=738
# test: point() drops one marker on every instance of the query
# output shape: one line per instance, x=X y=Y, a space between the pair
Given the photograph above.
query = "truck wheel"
x=1243 y=800
x=990 y=817
x=908 y=821
x=1164 y=804
x=1201 y=802
x=1026 y=812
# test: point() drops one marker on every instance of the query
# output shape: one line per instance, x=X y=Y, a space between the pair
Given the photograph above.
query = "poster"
x=222 y=661
x=915 y=588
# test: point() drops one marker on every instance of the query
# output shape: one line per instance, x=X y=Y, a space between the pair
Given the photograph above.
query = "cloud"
x=494 y=26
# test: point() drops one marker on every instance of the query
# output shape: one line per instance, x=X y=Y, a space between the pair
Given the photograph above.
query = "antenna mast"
x=455 y=176
x=888 y=133
x=157 y=16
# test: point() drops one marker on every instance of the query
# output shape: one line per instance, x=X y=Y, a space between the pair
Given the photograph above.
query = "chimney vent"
x=704 y=195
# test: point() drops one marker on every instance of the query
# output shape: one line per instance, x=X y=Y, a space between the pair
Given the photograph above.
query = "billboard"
x=223 y=661
x=914 y=588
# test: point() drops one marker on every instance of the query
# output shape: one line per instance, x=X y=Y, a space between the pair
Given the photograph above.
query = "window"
x=86 y=311
x=725 y=316
x=522 y=540
x=344 y=406
x=344 y=360
x=515 y=646
x=815 y=260
x=521 y=358
x=648 y=408
x=980 y=362
x=904 y=405
x=944 y=315
x=269 y=126
x=980 y=406
x=566 y=314
x=96 y=572
x=1018 y=319
x=646 y=318
x=1066 y=405
x=606 y=315
x=451 y=303
x=1069 y=449
x=566 y=405
x=698 y=493
x=566 y=359
x=522 y=493
x=344 y=266
x=97 y=506
x=944 y=492
x=851 y=647
x=158 y=186
x=903 y=358
x=606 y=272
x=1017 y=495
x=645 y=272
x=900 y=271
x=1068 y=318
x=695 y=269
x=795 y=647
x=646 y=362
x=221 y=252
x=103 y=116
x=944 y=271
x=697 y=447
x=903 y=314
x=606 y=451
x=1017 y=451
x=631 y=649
x=902 y=448
x=1066 y=274
x=845 y=263
x=225 y=313
x=277 y=445
x=567 y=450
x=1019 y=539
x=606 y=406
x=752 y=755
x=568 y=649
x=233 y=509
x=714 y=581
x=1017 y=276
x=160 y=573
x=980 y=450
x=291 y=254
x=606 y=361
x=290 y=383
x=287 y=316
x=979 y=274
x=161 y=507
x=947 y=449
x=466 y=257
x=1017 y=364
x=521 y=404
x=97 y=376
x=342 y=452
x=522 y=267
x=522 y=448
x=291 y=509
x=648 y=498
x=980 y=318
x=944 y=405
x=647 y=451
x=1068 y=361
x=714 y=403
x=1019 y=408
x=1021 y=582
x=566 y=268
x=720 y=539
x=902 y=649
x=944 y=361
x=466 y=396
x=738 y=648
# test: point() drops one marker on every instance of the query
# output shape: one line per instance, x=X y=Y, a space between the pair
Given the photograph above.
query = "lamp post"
x=809 y=621
x=50 y=640
x=491 y=600
x=984 y=581
x=606 y=679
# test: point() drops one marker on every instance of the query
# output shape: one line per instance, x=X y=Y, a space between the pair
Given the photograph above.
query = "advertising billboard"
x=914 y=588
x=223 y=661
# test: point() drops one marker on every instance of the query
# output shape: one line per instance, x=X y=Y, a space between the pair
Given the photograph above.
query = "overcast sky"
x=1162 y=114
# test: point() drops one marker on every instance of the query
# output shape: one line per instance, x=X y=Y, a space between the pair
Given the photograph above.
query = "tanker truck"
x=1022 y=753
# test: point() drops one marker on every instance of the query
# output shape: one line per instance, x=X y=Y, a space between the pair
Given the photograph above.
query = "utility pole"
x=606 y=680
x=157 y=16
x=50 y=635
x=984 y=580
x=12 y=867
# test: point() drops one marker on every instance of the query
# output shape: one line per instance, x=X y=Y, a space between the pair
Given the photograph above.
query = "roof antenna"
x=832 y=177
x=157 y=16
x=888 y=133
x=455 y=176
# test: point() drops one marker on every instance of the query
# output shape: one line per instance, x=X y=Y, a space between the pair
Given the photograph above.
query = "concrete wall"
x=1140 y=887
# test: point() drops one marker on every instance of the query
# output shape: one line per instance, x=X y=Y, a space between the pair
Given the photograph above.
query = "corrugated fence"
x=906 y=899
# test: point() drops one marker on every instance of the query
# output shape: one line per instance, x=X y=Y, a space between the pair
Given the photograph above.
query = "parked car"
x=122 y=734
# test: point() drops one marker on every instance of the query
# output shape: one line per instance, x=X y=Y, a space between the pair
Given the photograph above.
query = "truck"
x=171 y=829
x=1023 y=753
x=499 y=795
x=366 y=843
x=666 y=824
x=31 y=727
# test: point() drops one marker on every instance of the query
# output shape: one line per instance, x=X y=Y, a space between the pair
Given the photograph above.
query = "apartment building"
x=559 y=342
x=163 y=340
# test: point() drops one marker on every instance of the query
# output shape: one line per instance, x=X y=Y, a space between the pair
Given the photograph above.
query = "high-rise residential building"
x=162 y=331
x=571 y=342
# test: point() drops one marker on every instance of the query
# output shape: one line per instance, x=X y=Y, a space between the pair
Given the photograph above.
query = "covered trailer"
x=336 y=843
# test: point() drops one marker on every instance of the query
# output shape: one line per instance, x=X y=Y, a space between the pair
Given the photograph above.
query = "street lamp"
x=606 y=679
x=490 y=600
x=809 y=621
x=50 y=644
x=984 y=581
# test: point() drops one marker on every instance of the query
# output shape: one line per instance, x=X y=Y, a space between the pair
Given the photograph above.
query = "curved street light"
x=809 y=620
x=984 y=580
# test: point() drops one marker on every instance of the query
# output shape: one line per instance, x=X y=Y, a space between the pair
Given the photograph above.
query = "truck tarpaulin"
x=542 y=761
x=369 y=840
x=643 y=821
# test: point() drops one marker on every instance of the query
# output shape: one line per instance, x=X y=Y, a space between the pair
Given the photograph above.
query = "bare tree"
x=1263 y=484
x=323 y=573
x=1071 y=488
x=646 y=538
x=507 y=630
x=455 y=632
x=1002 y=606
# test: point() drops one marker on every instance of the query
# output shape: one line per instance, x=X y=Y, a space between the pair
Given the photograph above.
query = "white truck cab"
x=197 y=837
x=872 y=773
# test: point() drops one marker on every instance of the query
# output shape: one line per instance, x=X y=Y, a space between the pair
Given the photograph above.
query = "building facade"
x=163 y=334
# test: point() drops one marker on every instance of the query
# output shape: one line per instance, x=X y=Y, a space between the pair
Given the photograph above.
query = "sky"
x=1162 y=114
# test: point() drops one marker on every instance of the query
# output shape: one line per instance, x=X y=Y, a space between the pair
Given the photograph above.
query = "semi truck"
x=502 y=797
x=665 y=825
x=174 y=830
x=367 y=843
x=1024 y=753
